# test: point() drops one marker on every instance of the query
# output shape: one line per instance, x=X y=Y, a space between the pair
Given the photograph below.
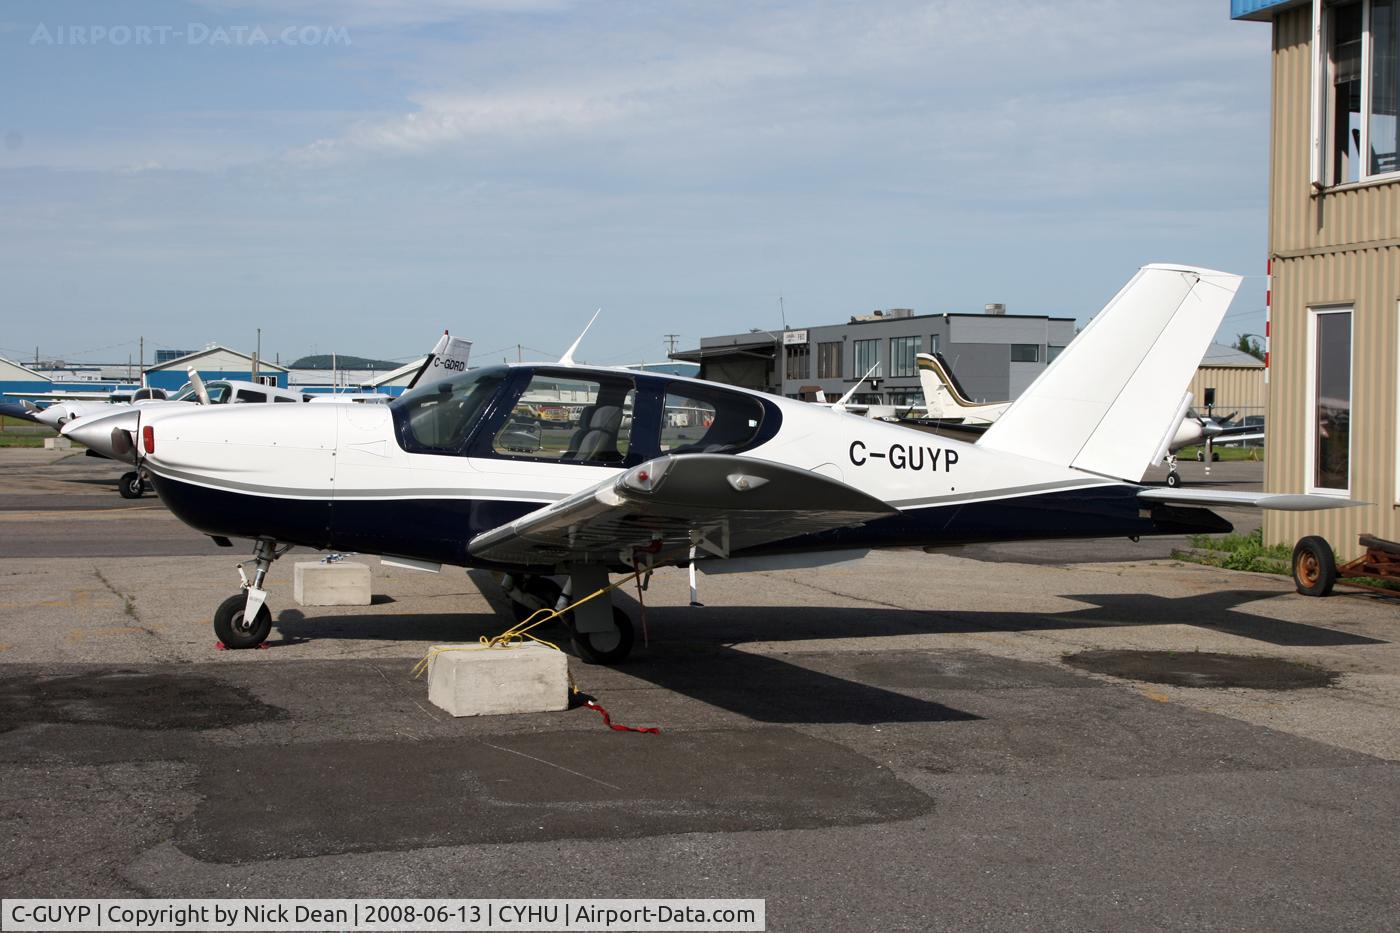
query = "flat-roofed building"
x=994 y=355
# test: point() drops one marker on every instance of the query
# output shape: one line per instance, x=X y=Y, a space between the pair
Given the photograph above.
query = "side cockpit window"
x=700 y=420
x=437 y=418
x=569 y=419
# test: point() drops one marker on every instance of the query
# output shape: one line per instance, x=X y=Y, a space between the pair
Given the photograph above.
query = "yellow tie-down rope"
x=516 y=634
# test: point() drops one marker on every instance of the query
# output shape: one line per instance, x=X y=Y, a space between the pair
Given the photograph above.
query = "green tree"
x=1247 y=344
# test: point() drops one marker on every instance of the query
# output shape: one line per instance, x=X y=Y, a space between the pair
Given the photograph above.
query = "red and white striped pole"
x=1268 y=312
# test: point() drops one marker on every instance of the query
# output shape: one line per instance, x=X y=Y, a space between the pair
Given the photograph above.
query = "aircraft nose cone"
x=1211 y=429
x=54 y=416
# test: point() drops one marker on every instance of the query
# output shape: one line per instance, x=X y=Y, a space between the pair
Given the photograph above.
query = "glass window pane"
x=1332 y=460
x=829 y=360
x=696 y=420
x=1385 y=87
x=559 y=418
x=902 y=352
x=1344 y=96
x=799 y=360
x=865 y=354
x=1025 y=353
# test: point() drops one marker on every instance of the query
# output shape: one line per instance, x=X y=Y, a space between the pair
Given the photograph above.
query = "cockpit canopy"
x=577 y=416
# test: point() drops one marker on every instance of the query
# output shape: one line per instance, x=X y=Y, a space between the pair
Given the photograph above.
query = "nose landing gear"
x=133 y=484
x=243 y=620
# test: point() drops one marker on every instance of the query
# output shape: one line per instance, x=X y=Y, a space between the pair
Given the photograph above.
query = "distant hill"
x=323 y=361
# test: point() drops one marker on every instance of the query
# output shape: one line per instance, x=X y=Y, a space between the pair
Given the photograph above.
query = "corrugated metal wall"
x=1301 y=223
x=1237 y=388
x=1335 y=248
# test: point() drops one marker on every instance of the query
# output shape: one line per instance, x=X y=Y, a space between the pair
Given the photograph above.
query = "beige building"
x=1229 y=384
x=1334 y=257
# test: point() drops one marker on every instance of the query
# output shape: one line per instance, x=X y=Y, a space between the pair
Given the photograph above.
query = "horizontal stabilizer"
x=1107 y=400
x=1283 y=502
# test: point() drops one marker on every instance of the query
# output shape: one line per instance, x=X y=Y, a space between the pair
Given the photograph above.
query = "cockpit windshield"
x=217 y=392
x=437 y=417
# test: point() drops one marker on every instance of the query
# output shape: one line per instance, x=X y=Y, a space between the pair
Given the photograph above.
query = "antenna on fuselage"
x=841 y=402
x=568 y=358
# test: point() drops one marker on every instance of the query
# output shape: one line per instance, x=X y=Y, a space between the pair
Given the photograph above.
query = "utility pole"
x=257 y=354
x=671 y=344
x=519 y=353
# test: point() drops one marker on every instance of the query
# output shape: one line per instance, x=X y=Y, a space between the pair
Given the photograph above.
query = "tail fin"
x=1107 y=400
x=943 y=395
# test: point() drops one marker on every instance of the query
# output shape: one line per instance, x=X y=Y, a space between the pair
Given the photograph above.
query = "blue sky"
x=389 y=169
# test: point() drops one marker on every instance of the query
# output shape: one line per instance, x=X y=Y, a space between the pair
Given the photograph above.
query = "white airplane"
x=753 y=482
x=948 y=403
x=112 y=433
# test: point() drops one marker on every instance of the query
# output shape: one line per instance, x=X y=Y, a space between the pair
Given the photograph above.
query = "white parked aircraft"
x=111 y=432
x=433 y=478
x=947 y=402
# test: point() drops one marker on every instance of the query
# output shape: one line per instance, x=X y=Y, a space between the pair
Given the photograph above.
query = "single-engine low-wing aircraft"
x=635 y=470
x=947 y=404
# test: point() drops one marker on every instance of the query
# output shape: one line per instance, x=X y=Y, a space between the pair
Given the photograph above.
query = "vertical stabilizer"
x=1111 y=395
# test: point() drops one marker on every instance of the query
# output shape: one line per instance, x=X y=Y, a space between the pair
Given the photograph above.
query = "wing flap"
x=718 y=503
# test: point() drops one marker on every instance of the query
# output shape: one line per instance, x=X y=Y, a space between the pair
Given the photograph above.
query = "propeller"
x=200 y=391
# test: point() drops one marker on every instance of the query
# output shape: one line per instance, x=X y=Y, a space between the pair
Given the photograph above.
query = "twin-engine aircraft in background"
x=949 y=410
x=627 y=471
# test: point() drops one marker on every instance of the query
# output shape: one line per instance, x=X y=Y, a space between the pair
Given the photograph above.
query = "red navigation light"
x=148 y=438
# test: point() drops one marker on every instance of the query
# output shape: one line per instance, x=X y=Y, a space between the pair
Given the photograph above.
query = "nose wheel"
x=236 y=629
x=132 y=485
x=243 y=620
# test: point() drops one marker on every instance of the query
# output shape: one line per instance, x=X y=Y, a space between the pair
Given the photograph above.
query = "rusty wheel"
x=1314 y=567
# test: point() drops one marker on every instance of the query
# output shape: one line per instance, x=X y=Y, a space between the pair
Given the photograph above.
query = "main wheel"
x=235 y=631
x=541 y=588
x=1215 y=456
x=1314 y=566
x=606 y=647
x=130 y=485
x=1173 y=479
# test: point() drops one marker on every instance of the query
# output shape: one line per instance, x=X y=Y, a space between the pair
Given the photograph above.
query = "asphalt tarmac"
x=1078 y=736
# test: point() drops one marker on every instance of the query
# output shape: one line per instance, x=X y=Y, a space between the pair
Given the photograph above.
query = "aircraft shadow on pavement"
x=1213 y=611
x=692 y=651
x=762 y=688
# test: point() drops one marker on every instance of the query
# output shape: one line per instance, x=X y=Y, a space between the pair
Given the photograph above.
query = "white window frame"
x=1320 y=167
x=1310 y=455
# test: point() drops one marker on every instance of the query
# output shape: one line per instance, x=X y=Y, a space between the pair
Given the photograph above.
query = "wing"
x=716 y=502
x=1286 y=502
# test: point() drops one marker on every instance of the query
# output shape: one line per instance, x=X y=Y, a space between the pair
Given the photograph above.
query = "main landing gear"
x=243 y=620
x=600 y=631
x=133 y=484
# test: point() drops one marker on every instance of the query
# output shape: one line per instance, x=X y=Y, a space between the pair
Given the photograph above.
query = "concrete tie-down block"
x=343 y=583
x=57 y=443
x=526 y=678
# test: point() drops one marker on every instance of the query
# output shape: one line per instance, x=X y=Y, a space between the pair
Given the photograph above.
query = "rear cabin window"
x=248 y=395
x=569 y=420
x=696 y=420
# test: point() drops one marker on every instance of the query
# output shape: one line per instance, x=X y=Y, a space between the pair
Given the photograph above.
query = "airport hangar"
x=995 y=355
x=1334 y=264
